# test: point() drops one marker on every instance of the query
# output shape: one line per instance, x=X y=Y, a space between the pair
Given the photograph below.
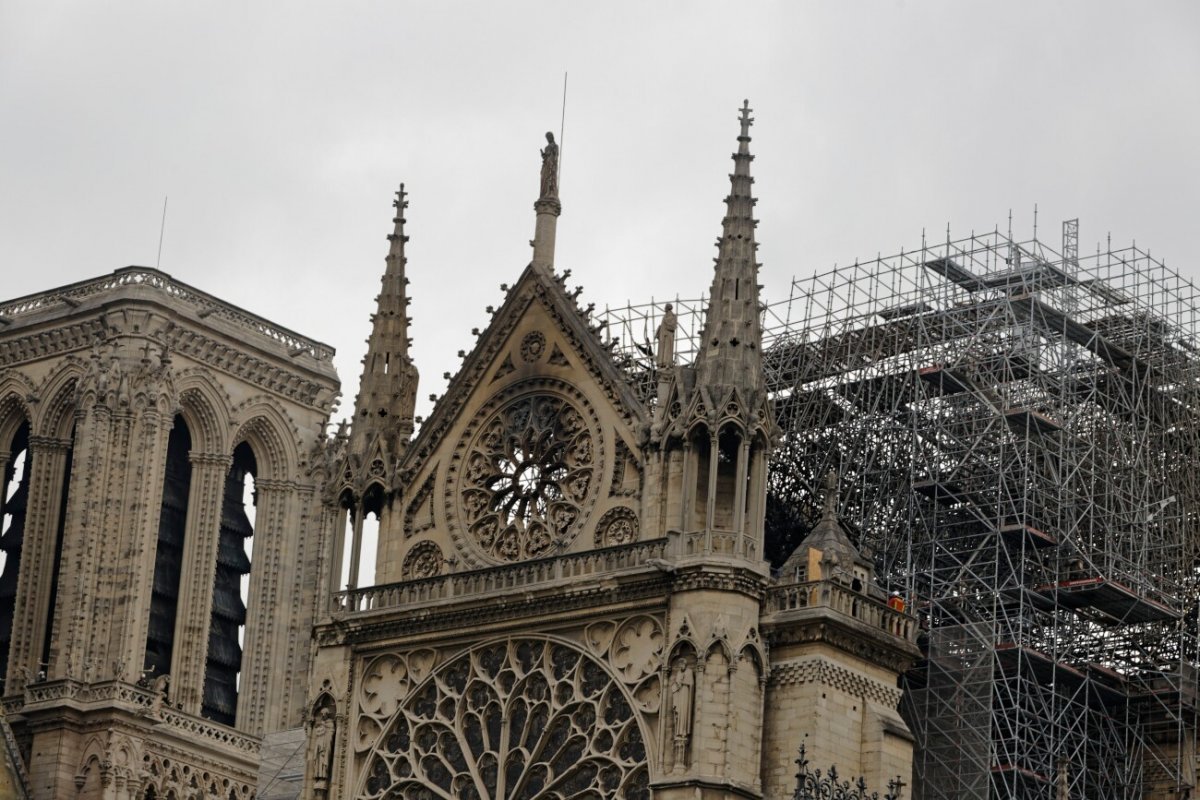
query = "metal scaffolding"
x=1016 y=432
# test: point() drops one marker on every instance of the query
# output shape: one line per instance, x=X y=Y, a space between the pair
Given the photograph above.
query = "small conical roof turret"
x=387 y=391
x=730 y=347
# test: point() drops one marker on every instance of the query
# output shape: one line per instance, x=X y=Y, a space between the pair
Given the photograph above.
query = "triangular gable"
x=534 y=287
x=538 y=356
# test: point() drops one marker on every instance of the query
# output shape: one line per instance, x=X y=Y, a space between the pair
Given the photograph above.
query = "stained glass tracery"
x=525 y=719
x=528 y=474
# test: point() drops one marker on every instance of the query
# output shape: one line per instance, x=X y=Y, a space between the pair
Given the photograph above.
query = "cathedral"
x=934 y=540
x=570 y=599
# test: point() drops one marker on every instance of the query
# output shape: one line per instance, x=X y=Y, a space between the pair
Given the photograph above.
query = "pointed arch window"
x=168 y=558
x=223 y=668
x=13 y=504
x=60 y=530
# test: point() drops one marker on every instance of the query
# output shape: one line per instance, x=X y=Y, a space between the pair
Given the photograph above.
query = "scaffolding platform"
x=1056 y=322
x=1005 y=774
x=1113 y=599
x=1022 y=596
x=1011 y=655
x=1024 y=421
x=1107 y=688
x=944 y=380
x=1022 y=533
x=939 y=491
x=949 y=268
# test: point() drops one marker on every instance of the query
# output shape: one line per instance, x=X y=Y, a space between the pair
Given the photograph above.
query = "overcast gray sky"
x=280 y=131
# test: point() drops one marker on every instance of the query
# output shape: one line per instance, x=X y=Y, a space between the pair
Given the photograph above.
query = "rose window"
x=526 y=719
x=527 y=476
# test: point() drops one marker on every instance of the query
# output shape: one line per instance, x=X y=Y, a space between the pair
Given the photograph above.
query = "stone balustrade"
x=843 y=600
x=205 y=304
x=120 y=692
x=524 y=576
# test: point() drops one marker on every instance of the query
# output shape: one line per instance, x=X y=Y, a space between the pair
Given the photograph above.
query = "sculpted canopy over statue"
x=550 y=167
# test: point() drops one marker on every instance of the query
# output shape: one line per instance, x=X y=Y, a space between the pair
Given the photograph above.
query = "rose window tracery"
x=528 y=474
x=524 y=719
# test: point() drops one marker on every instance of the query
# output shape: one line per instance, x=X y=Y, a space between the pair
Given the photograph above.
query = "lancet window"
x=228 y=619
x=168 y=559
x=60 y=530
x=14 y=501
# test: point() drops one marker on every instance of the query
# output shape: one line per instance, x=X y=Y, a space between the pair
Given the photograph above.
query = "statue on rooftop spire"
x=550 y=167
x=665 y=357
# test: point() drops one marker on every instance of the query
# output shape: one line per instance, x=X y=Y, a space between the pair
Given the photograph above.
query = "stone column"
x=267 y=605
x=136 y=538
x=355 y=546
x=86 y=509
x=194 y=608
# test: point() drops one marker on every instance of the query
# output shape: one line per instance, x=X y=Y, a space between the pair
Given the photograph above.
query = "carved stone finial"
x=830 y=485
x=746 y=120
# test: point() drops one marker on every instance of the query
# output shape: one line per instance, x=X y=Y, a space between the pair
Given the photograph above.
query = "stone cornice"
x=312 y=384
x=74 y=335
x=49 y=444
x=827 y=673
x=221 y=460
x=702 y=786
x=720 y=575
x=67 y=698
x=145 y=283
x=819 y=625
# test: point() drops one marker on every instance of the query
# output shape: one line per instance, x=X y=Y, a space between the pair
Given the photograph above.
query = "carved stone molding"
x=512 y=609
x=826 y=673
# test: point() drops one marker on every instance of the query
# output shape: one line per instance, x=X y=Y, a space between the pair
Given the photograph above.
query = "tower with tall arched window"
x=160 y=454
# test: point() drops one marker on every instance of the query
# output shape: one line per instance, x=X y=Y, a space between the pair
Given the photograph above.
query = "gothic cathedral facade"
x=570 y=596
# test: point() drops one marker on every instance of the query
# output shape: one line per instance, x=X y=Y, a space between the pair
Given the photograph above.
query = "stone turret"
x=838 y=647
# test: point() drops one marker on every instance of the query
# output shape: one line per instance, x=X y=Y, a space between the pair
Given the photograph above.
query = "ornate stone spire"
x=387 y=391
x=730 y=348
x=547 y=207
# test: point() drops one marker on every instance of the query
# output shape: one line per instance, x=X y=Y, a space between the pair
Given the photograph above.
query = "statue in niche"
x=683 y=690
x=666 y=338
x=550 y=167
x=323 y=732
